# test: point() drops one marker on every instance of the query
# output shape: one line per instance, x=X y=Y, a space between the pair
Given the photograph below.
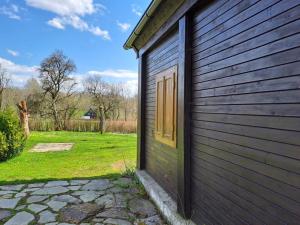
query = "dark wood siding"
x=246 y=113
x=161 y=160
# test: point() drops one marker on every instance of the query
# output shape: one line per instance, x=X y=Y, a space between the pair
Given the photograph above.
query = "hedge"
x=12 y=138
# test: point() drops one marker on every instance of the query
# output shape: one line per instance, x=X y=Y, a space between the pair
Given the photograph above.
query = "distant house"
x=219 y=109
x=89 y=115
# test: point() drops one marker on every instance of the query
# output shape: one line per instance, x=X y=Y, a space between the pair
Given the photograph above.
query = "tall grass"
x=85 y=125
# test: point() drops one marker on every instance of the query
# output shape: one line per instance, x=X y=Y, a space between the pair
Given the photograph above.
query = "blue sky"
x=91 y=32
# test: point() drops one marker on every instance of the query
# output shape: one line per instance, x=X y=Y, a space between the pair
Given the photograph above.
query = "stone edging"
x=162 y=200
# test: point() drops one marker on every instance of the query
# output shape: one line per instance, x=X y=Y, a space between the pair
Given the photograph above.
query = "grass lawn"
x=92 y=155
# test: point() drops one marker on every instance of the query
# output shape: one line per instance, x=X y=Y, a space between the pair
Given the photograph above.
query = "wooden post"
x=24 y=117
x=184 y=99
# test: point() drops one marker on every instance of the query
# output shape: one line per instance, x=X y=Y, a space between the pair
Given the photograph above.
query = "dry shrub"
x=84 y=126
x=118 y=126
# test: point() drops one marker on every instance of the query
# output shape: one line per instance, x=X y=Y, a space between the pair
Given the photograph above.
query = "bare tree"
x=106 y=97
x=4 y=81
x=34 y=97
x=57 y=85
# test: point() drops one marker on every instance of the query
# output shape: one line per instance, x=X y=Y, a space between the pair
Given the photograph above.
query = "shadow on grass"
x=108 y=176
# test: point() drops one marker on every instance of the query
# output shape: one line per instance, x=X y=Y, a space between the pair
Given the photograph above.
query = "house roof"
x=153 y=18
x=91 y=112
x=140 y=25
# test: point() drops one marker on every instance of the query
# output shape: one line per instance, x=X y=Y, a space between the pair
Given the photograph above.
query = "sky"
x=90 y=32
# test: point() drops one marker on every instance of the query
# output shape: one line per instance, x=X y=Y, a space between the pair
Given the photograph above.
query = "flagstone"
x=57 y=183
x=97 y=185
x=56 y=205
x=77 y=213
x=133 y=190
x=9 y=203
x=111 y=221
x=37 y=207
x=84 y=202
x=47 y=217
x=154 y=220
x=21 y=218
x=20 y=195
x=79 y=182
x=115 y=213
x=115 y=190
x=123 y=181
x=7 y=192
x=4 y=214
x=106 y=201
x=66 y=224
x=87 y=196
x=36 y=198
x=98 y=220
x=121 y=199
x=30 y=190
x=7 y=196
x=36 y=185
x=142 y=207
x=66 y=198
x=12 y=187
x=74 y=188
x=51 y=191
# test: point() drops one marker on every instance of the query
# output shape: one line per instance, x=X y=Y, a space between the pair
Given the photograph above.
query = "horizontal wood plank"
x=245 y=112
x=161 y=160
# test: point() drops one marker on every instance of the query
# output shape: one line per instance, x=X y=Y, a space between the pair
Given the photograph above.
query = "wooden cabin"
x=219 y=108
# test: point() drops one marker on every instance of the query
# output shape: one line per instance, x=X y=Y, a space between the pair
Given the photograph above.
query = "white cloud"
x=12 y=52
x=70 y=13
x=11 y=11
x=19 y=73
x=65 y=7
x=12 y=68
x=123 y=26
x=57 y=23
x=74 y=21
x=136 y=10
x=79 y=24
x=98 y=32
x=132 y=86
x=115 y=73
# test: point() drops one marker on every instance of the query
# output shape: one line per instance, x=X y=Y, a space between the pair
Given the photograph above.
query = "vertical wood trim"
x=141 y=160
x=184 y=96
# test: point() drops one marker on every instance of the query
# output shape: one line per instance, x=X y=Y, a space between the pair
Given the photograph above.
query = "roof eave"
x=140 y=25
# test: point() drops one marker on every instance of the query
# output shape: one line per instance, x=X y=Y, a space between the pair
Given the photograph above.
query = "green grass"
x=93 y=155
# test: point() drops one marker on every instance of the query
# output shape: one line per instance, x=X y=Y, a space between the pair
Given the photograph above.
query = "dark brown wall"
x=246 y=113
x=161 y=160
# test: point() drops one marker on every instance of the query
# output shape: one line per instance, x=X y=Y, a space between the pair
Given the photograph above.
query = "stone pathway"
x=86 y=202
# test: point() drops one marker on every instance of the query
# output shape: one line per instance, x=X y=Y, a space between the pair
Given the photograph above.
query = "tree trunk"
x=125 y=114
x=118 y=113
x=57 y=122
x=24 y=117
x=102 y=120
